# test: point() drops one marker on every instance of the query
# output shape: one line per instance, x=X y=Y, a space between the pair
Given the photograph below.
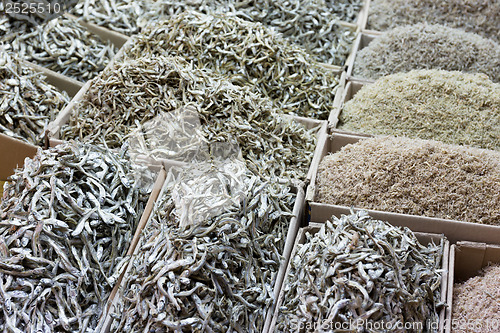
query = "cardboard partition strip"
x=61 y=82
x=362 y=41
x=466 y=261
x=116 y=38
x=424 y=238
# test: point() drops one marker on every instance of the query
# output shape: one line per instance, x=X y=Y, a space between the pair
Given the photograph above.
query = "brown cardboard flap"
x=13 y=152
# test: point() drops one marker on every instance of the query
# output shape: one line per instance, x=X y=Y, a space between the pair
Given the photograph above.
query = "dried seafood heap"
x=474 y=301
x=423 y=46
x=216 y=275
x=248 y=54
x=123 y=16
x=61 y=45
x=452 y=107
x=270 y=143
x=27 y=101
x=480 y=17
x=67 y=219
x=360 y=271
x=414 y=177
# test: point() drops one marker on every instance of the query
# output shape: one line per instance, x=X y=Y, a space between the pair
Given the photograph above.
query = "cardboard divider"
x=362 y=41
x=351 y=88
x=314 y=227
x=453 y=230
x=61 y=82
x=466 y=260
x=13 y=152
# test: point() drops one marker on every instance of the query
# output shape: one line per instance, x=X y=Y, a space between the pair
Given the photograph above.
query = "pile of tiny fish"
x=449 y=106
x=61 y=45
x=356 y=270
x=480 y=17
x=426 y=46
x=248 y=54
x=216 y=275
x=67 y=219
x=134 y=92
x=27 y=101
x=312 y=24
x=123 y=16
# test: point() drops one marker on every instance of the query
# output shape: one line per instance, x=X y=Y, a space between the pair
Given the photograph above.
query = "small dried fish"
x=213 y=276
x=67 y=218
x=135 y=92
x=62 y=45
x=247 y=54
x=357 y=272
x=27 y=101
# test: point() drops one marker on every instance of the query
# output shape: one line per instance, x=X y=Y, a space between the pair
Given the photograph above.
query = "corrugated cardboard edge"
x=454 y=230
x=466 y=259
x=13 y=152
x=313 y=227
x=351 y=87
x=106 y=320
x=337 y=101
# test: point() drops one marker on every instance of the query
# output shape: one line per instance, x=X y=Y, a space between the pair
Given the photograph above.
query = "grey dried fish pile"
x=27 y=101
x=355 y=271
x=67 y=219
x=123 y=16
x=62 y=45
x=215 y=276
x=134 y=92
x=312 y=24
x=248 y=54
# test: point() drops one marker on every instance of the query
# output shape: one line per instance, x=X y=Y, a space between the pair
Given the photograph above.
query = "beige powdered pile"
x=452 y=107
x=476 y=302
x=416 y=177
x=424 y=46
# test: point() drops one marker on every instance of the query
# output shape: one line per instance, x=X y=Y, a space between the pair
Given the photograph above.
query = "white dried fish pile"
x=110 y=110
x=425 y=46
x=452 y=107
x=480 y=17
x=356 y=273
x=27 y=101
x=123 y=16
x=217 y=275
x=248 y=54
x=416 y=177
x=67 y=219
x=61 y=45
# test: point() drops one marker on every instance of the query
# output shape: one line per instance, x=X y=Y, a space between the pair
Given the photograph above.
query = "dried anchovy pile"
x=270 y=143
x=416 y=177
x=248 y=54
x=310 y=23
x=474 y=301
x=27 y=101
x=480 y=17
x=452 y=107
x=357 y=270
x=123 y=16
x=67 y=219
x=424 y=46
x=61 y=45
x=215 y=276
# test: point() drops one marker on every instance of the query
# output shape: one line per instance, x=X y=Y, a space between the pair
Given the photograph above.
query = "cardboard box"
x=452 y=229
x=424 y=238
x=61 y=82
x=466 y=260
